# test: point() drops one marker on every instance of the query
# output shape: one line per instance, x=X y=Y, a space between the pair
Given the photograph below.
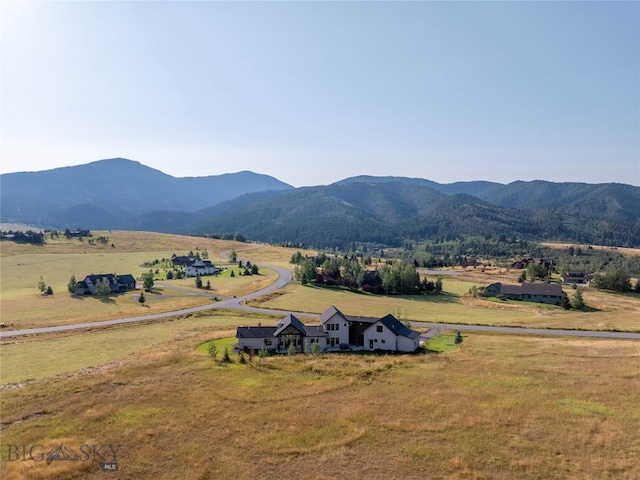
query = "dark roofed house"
x=127 y=282
x=575 y=278
x=116 y=283
x=335 y=332
x=529 y=292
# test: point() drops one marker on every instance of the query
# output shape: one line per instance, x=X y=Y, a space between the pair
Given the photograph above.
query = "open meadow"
x=149 y=397
x=23 y=265
x=499 y=407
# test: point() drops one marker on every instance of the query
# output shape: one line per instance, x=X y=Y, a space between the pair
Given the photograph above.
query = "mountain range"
x=123 y=194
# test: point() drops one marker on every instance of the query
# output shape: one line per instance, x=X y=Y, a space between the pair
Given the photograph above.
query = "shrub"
x=225 y=356
x=212 y=350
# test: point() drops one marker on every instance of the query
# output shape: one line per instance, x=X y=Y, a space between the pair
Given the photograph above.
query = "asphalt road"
x=284 y=277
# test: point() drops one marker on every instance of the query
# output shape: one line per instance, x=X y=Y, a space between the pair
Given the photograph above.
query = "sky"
x=314 y=92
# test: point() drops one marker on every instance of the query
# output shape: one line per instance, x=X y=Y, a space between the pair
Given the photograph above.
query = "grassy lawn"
x=24 y=359
x=497 y=407
x=20 y=272
x=608 y=311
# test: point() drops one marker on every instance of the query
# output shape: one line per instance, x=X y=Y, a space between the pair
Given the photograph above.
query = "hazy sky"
x=313 y=92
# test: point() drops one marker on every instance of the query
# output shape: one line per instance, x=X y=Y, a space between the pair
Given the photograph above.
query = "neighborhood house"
x=117 y=283
x=335 y=332
x=195 y=267
x=528 y=292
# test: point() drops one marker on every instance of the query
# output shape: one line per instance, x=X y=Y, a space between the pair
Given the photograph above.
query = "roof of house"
x=330 y=312
x=541 y=289
x=109 y=276
x=362 y=319
x=316 y=331
x=510 y=289
x=127 y=278
x=255 y=332
x=396 y=326
x=290 y=320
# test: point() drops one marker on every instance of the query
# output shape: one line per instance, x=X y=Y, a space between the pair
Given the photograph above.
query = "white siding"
x=256 y=343
x=338 y=328
x=406 y=344
x=385 y=340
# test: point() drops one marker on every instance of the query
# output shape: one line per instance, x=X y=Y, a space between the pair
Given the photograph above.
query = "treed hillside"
x=389 y=213
x=612 y=200
x=109 y=193
x=121 y=193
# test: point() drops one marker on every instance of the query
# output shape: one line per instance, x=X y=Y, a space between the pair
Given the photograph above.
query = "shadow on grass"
x=443 y=297
x=588 y=309
x=107 y=300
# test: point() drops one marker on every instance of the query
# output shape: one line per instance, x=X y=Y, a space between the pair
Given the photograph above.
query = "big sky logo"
x=106 y=454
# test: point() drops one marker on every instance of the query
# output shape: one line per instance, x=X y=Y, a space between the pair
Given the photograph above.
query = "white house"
x=335 y=332
x=200 y=268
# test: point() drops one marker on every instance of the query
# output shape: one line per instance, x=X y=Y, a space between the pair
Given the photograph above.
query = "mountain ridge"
x=121 y=193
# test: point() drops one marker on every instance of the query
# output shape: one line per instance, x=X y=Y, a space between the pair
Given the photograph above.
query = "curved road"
x=284 y=277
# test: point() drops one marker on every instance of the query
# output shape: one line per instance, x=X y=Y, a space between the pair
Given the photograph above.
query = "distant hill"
x=391 y=212
x=608 y=200
x=121 y=193
x=110 y=193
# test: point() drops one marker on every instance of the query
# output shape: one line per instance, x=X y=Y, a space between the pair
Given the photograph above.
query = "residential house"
x=575 y=278
x=335 y=332
x=117 y=284
x=529 y=292
x=199 y=268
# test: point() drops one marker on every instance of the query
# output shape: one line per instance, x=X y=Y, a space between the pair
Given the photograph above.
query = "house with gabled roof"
x=199 y=268
x=335 y=332
x=550 y=293
x=117 y=283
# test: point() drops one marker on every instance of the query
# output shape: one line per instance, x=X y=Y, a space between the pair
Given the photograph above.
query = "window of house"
x=337 y=326
x=379 y=328
x=376 y=340
x=383 y=341
x=267 y=342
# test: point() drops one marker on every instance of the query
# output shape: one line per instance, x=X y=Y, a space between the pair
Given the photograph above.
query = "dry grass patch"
x=499 y=407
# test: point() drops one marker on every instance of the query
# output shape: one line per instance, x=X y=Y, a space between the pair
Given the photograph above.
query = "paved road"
x=284 y=277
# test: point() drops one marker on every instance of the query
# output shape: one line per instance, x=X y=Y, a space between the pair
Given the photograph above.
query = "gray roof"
x=330 y=312
x=542 y=289
x=351 y=318
x=255 y=332
x=127 y=278
x=393 y=324
x=290 y=320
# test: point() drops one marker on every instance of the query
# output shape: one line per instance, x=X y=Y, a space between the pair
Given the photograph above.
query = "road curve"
x=284 y=277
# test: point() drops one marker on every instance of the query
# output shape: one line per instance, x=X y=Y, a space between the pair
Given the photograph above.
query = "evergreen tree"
x=141 y=298
x=147 y=281
x=198 y=282
x=212 y=350
x=72 y=285
x=233 y=256
x=577 y=302
x=41 y=285
x=225 y=356
x=232 y=274
x=438 y=285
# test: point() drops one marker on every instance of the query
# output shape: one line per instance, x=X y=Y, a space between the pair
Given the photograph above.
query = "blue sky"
x=313 y=92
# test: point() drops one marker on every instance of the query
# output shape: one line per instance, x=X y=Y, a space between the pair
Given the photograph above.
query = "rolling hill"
x=109 y=193
x=121 y=193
